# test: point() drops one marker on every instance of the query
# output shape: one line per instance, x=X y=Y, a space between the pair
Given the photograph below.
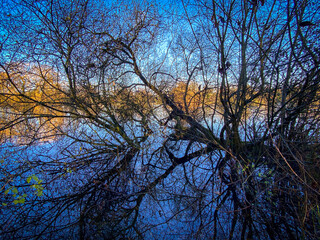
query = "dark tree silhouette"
x=196 y=119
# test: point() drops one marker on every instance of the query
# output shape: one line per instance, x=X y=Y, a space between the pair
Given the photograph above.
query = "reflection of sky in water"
x=171 y=208
x=166 y=215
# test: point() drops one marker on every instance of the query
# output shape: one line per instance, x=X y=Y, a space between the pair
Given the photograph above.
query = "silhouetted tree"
x=138 y=120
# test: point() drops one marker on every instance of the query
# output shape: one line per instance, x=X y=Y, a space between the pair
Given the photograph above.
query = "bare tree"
x=125 y=119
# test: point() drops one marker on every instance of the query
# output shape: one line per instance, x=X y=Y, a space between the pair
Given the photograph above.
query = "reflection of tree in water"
x=122 y=122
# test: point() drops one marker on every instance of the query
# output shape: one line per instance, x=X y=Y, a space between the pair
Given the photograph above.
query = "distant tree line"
x=146 y=120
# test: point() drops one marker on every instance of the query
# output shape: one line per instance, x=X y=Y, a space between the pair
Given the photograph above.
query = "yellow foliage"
x=191 y=98
x=29 y=104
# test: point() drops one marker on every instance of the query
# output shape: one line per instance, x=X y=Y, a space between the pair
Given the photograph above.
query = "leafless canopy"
x=150 y=120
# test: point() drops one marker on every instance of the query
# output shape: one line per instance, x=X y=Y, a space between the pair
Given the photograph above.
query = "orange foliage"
x=29 y=104
x=191 y=98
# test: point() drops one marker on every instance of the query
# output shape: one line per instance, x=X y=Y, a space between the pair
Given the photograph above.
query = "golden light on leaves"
x=192 y=97
x=29 y=103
